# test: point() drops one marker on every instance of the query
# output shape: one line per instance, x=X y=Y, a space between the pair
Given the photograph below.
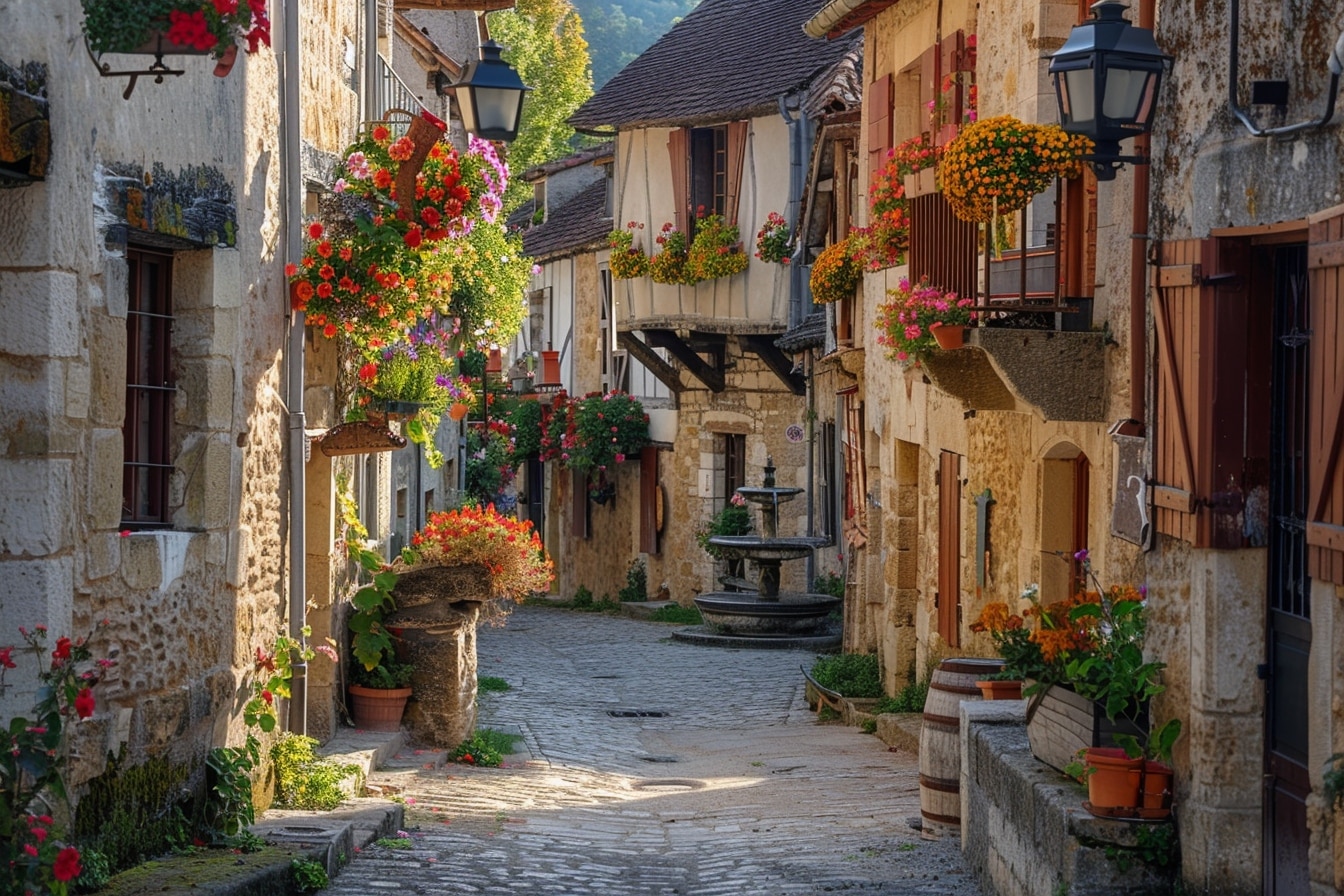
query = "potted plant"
x=490 y=464
x=379 y=685
x=996 y=165
x=915 y=318
x=591 y=433
x=218 y=27
x=627 y=262
x=733 y=519
x=716 y=250
x=835 y=274
x=773 y=243
x=669 y=265
x=884 y=241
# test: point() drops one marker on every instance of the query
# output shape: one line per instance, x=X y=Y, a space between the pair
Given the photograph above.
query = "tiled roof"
x=581 y=223
x=728 y=59
x=600 y=152
x=810 y=333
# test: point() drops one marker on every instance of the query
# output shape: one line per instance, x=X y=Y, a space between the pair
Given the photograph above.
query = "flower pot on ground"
x=1156 y=790
x=1113 y=781
x=994 y=689
x=378 y=709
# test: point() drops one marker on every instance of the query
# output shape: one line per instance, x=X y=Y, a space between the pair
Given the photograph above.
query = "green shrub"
x=854 y=675
x=831 y=583
x=308 y=876
x=489 y=684
x=486 y=748
x=678 y=614
x=636 y=583
x=910 y=699
x=303 y=781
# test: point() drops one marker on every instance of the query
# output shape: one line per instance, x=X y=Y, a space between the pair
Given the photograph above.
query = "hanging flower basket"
x=835 y=275
x=163 y=27
x=996 y=165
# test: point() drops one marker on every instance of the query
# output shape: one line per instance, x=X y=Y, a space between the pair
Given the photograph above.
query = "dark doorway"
x=1288 y=632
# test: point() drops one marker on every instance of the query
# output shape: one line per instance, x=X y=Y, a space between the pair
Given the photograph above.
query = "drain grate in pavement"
x=599 y=677
x=668 y=784
x=636 y=714
x=659 y=759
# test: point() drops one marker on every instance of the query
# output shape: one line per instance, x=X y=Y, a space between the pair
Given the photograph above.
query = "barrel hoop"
x=947 y=721
x=954 y=688
x=942 y=785
x=971 y=665
x=951 y=820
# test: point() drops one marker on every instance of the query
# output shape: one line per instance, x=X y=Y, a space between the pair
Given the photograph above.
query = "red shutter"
x=878 y=100
x=949 y=548
x=678 y=150
x=1325 y=417
x=1212 y=400
x=648 y=500
x=737 y=149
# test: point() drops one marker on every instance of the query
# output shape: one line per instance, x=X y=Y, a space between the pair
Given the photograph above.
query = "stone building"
x=708 y=121
x=1187 y=436
x=151 y=427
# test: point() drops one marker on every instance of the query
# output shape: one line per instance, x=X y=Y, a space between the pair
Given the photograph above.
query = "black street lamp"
x=1106 y=78
x=490 y=96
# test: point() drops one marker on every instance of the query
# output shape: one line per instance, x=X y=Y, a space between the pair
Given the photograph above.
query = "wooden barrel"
x=940 y=741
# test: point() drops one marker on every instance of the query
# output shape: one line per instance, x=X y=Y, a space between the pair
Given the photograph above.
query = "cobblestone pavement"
x=657 y=768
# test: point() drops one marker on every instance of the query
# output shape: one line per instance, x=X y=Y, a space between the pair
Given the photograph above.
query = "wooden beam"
x=712 y=377
x=781 y=364
x=653 y=363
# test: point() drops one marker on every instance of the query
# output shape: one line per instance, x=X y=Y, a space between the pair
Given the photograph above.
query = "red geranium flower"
x=67 y=866
x=84 y=703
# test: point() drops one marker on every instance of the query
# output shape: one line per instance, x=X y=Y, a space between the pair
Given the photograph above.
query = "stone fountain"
x=766 y=617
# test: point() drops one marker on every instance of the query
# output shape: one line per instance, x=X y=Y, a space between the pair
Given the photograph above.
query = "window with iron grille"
x=149 y=390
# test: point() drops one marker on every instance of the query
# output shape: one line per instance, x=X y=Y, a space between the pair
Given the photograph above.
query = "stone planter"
x=437 y=611
x=1060 y=723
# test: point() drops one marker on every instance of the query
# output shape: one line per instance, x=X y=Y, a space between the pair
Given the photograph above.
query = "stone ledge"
x=1024 y=830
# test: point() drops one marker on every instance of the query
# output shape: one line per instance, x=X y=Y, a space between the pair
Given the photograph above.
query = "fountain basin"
x=736 y=547
x=768 y=494
x=745 y=614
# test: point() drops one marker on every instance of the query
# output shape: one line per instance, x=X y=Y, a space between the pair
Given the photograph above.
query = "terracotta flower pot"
x=1113 y=782
x=1155 y=796
x=1000 y=690
x=950 y=336
x=458 y=410
x=550 y=369
x=375 y=709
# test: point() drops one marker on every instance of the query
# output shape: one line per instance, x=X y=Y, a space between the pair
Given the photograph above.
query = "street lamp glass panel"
x=497 y=111
x=1080 y=93
x=1129 y=96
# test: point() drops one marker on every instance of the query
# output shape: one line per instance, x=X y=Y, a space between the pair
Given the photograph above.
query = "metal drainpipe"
x=293 y=195
x=1138 y=267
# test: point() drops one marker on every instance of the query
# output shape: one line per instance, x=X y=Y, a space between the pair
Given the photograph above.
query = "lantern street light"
x=1106 y=78
x=490 y=96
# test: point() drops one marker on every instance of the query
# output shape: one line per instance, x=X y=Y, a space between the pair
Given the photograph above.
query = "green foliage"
x=95 y=872
x=910 y=699
x=619 y=33
x=370 y=642
x=130 y=814
x=1332 y=780
x=1158 y=745
x=853 y=675
x=546 y=45
x=385 y=676
x=490 y=463
x=716 y=250
x=636 y=583
x=868 y=726
x=733 y=519
x=308 y=876
x=490 y=276
x=832 y=583
x=303 y=781
x=394 y=842
x=228 y=806
x=525 y=419
x=489 y=684
x=1156 y=845
x=591 y=433
x=678 y=614
x=486 y=748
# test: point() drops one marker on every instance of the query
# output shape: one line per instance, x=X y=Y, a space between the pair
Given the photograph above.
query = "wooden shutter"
x=648 y=500
x=1325 y=416
x=949 y=548
x=578 y=504
x=1211 y=405
x=878 y=100
x=737 y=150
x=1077 y=236
x=679 y=154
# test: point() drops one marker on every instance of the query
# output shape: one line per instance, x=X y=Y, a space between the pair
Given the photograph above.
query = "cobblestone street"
x=657 y=767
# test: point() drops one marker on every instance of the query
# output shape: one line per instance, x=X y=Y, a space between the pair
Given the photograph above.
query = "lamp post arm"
x=1335 y=63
